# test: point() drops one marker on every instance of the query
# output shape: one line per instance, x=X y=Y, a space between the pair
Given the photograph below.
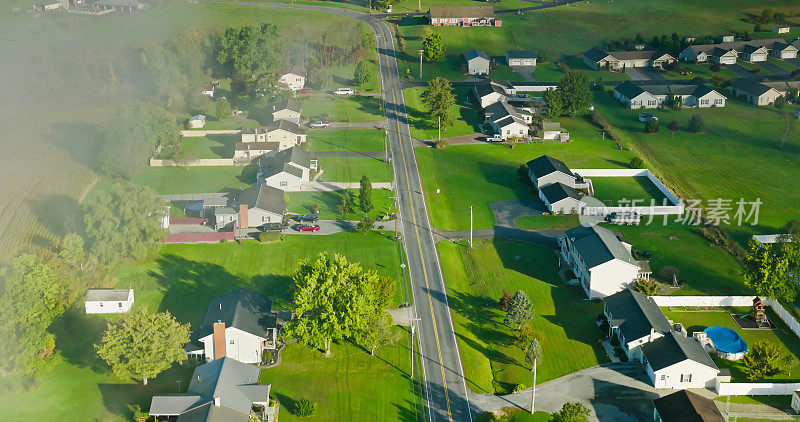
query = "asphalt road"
x=445 y=387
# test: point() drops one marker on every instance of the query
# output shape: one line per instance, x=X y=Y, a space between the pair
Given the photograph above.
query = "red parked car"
x=307 y=227
x=304 y=91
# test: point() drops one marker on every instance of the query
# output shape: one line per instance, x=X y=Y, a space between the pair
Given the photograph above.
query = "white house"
x=521 y=58
x=561 y=199
x=289 y=169
x=239 y=325
x=254 y=134
x=754 y=92
x=108 y=301
x=477 y=62
x=553 y=130
x=506 y=121
x=619 y=60
x=290 y=110
x=489 y=92
x=545 y=170
x=634 y=319
x=754 y=53
x=796 y=401
x=686 y=406
x=260 y=204
x=653 y=95
x=728 y=52
x=253 y=149
x=293 y=78
x=677 y=362
x=222 y=390
x=783 y=51
x=286 y=134
x=196 y=122
x=600 y=259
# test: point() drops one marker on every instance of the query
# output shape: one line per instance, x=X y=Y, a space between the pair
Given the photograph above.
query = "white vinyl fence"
x=202 y=162
x=739 y=388
x=201 y=133
x=676 y=206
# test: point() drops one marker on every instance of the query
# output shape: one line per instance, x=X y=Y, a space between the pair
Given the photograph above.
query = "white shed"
x=109 y=301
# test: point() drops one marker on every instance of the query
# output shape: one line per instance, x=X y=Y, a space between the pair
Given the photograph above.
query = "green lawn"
x=351 y=108
x=738 y=156
x=210 y=146
x=698 y=321
x=479 y=174
x=424 y=128
x=702 y=70
x=173 y=180
x=612 y=190
x=476 y=279
x=303 y=203
x=549 y=71
x=559 y=222
x=770 y=400
x=346 y=140
x=336 y=169
x=789 y=67
x=230 y=123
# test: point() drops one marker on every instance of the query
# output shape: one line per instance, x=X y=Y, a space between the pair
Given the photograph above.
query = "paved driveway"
x=525 y=71
x=651 y=74
x=744 y=73
x=505 y=212
x=635 y=74
x=772 y=67
x=795 y=62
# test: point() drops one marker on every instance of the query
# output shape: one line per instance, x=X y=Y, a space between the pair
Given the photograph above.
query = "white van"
x=343 y=91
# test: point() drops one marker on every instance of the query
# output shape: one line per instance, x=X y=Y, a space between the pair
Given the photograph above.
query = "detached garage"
x=108 y=301
x=561 y=199
x=521 y=58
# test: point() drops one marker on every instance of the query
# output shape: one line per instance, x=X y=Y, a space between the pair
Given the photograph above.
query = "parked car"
x=273 y=227
x=494 y=138
x=307 y=227
x=312 y=218
x=644 y=117
x=344 y=91
x=304 y=91
x=320 y=123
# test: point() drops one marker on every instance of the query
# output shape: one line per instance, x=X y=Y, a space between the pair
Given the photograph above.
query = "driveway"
x=744 y=73
x=526 y=72
x=505 y=212
x=635 y=74
x=795 y=62
x=336 y=226
x=772 y=67
x=651 y=74
x=368 y=154
x=361 y=125
x=614 y=392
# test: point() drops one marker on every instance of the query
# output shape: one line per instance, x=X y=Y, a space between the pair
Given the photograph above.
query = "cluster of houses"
x=89 y=7
x=508 y=121
x=284 y=133
x=762 y=93
x=479 y=63
x=729 y=51
x=654 y=94
x=557 y=185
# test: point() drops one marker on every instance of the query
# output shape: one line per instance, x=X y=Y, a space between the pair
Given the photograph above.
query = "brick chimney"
x=243 y=223
x=219 y=340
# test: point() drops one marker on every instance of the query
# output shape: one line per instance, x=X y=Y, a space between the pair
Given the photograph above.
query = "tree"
x=520 y=309
x=433 y=46
x=34 y=291
x=651 y=126
x=249 y=49
x=319 y=78
x=363 y=74
x=787 y=123
x=780 y=103
x=524 y=336
x=716 y=67
x=673 y=127
x=365 y=225
x=439 y=99
x=636 y=162
x=532 y=355
x=181 y=157
x=575 y=93
x=766 y=271
x=647 y=287
x=697 y=124
x=122 y=221
x=334 y=299
x=131 y=137
x=380 y=332
x=365 y=195
x=345 y=202
x=554 y=104
x=720 y=81
x=765 y=360
x=504 y=301
x=142 y=345
x=572 y=412
x=222 y=109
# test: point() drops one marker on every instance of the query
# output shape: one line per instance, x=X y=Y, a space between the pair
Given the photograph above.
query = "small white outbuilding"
x=197 y=122
x=109 y=301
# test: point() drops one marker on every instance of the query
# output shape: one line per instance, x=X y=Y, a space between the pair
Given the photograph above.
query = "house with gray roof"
x=108 y=301
x=224 y=390
x=677 y=362
x=783 y=51
x=686 y=406
x=652 y=95
x=287 y=170
x=239 y=325
x=120 y=5
x=488 y=92
x=634 y=319
x=289 y=110
x=600 y=260
x=754 y=53
x=545 y=170
x=286 y=134
x=729 y=52
x=260 y=204
x=618 y=60
x=293 y=77
x=754 y=92
x=559 y=198
x=521 y=57
x=477 y=62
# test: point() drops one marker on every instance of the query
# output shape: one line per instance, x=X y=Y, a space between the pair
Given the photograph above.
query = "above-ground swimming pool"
x=729 y=343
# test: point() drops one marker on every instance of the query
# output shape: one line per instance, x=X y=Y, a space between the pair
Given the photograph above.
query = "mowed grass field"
x=626 y=191
x=349 y=108
x=423 y=127
x=781 y=336
x=182 y=279
x=174 y=180
x=303 y=203
x=564 y=321
x=336 y=169
x=346 y=140
x=209 y=146
x=475 y=175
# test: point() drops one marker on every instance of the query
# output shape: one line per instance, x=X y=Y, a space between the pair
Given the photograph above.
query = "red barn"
x=463 y=16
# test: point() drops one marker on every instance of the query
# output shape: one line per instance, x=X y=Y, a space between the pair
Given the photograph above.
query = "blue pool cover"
x=726 y=340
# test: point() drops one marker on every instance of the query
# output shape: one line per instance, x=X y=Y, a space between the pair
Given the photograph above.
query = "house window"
x=718 y=101
x=651 y=102
x=284 y=183
x=704 y=102
x=101 y=304
x=663 y=377
x=686 y=377
x=120 y=304
x=231 y=342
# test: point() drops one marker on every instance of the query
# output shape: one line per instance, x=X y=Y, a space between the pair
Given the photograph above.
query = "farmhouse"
x=560 y=198
x=238 y=325
x=489 y=92
x=286 y=134
x=600 y=259
x=754 y=92
x=521 y=58
x=545 y=170
x=290 y=110
x=287 y=169
x=463 y=16
x=108 y=301
x=293 y=78
x=686 y=406
x=506 y=121
x=653 y=95
x=260 y=204
x=222 y=390
x=477 y=62
x=728 y=52
x=619 y=60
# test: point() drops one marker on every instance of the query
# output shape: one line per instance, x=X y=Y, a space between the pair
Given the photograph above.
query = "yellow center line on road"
x=422 y=259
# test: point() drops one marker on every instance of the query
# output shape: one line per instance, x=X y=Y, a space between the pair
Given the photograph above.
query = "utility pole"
x=420 y=63
x=470 y=226
x=412 y=319
x=386 y=145
x=440 y=128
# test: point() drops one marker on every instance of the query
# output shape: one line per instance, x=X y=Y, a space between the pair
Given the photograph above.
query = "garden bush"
x=305 y=408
